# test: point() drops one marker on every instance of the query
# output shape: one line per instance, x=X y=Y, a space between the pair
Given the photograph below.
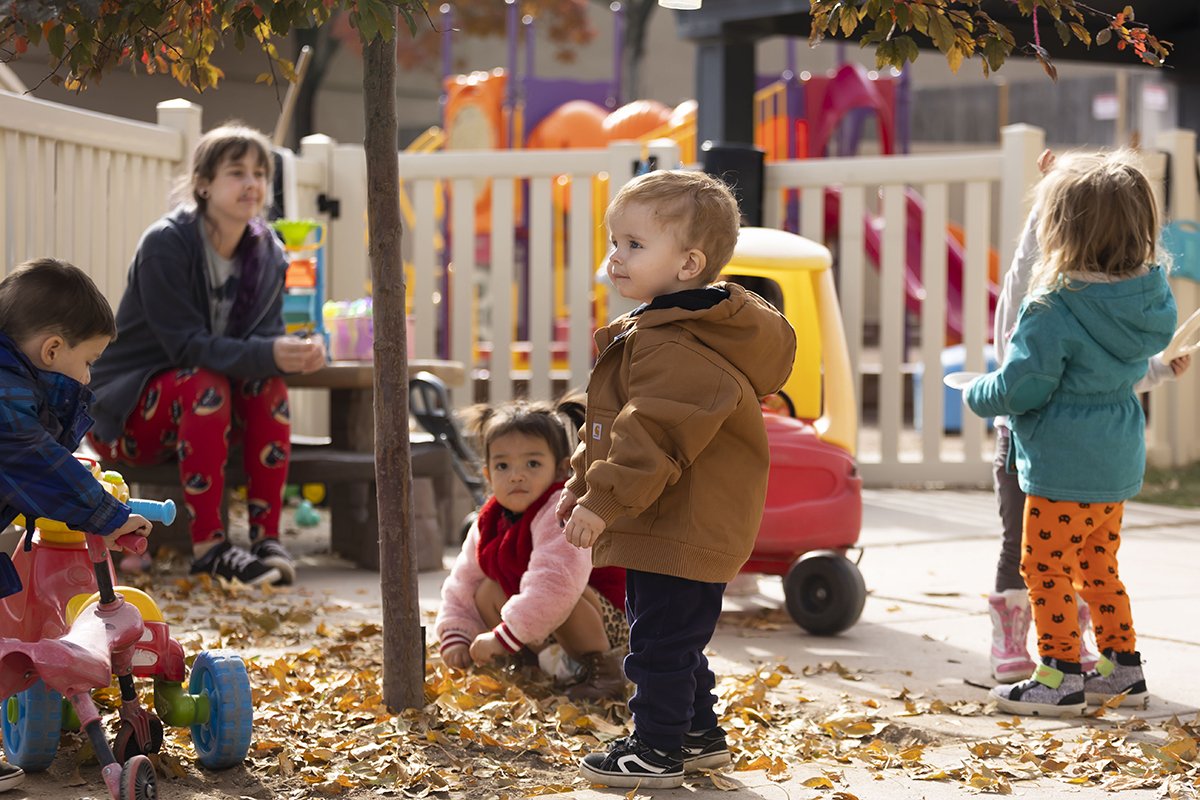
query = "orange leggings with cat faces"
x=1069 y=547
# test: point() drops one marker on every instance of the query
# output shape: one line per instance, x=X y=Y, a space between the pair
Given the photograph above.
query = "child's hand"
x=566 y=502
x=136 y=524
x=457 y=656
x=486 y=647
x=294 y=355
x=1180 y=365
x=1046 y=161
x=583 y=528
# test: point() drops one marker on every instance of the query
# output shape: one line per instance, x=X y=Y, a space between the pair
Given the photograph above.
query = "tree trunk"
x=404 y=646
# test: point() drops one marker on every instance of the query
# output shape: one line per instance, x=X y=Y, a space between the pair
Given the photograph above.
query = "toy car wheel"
x=224 y=739
x=824 y=592
x=137 y=780
x=127 y=746
x=31 y=724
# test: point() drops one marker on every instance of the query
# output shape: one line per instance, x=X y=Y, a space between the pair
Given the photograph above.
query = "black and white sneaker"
x=630 y=763
x=229 y=562
x=10 y=776
x=705 y=750
x=271 y=552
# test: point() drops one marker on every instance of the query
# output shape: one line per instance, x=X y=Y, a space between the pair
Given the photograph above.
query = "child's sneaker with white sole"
x=631 y=763
x=705 y=750
x=1116 y=673
x=1055 y=690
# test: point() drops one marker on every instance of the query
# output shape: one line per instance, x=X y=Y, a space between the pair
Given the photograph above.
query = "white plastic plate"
x=960 y=380
x=1185 y=340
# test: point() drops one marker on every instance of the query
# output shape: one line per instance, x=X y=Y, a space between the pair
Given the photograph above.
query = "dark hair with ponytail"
x=554 y=423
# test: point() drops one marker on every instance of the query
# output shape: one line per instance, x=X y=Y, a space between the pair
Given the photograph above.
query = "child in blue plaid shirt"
x=54 y=323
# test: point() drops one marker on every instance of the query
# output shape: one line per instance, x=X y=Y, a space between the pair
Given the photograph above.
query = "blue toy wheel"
x=224 y=740
x=31 y=723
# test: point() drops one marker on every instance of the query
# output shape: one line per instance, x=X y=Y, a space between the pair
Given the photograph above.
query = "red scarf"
x=505 y=546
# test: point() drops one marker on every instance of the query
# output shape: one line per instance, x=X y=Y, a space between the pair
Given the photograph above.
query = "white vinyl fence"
x=83 y=186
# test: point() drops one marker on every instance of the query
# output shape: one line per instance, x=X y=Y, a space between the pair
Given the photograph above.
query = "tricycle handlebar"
x=154 y=511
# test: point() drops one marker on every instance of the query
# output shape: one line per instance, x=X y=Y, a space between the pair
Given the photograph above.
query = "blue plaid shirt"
x=43 y=417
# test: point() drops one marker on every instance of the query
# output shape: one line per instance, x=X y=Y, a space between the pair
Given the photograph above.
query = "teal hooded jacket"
x=1066 y=384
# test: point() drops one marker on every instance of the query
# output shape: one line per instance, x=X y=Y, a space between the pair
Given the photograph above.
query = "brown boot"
x=602 y=678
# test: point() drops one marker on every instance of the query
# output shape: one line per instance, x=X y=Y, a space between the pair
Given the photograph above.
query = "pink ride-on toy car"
x=813 y=511
x=69 y=631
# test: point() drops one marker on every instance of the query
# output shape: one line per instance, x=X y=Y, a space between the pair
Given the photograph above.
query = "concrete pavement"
x=928 y=562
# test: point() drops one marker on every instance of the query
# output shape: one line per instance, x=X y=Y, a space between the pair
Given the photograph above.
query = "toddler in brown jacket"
x=671 y=475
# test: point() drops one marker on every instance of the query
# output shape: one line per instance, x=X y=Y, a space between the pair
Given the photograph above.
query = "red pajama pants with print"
x=195 y=415
x=1071 y=547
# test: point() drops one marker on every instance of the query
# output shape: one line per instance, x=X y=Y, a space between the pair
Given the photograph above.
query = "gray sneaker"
x=1055 y=690
x=1116 y=673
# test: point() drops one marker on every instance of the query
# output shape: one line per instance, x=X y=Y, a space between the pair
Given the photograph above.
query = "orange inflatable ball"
x=684 y=112
x=636 y=119
x=579 y=123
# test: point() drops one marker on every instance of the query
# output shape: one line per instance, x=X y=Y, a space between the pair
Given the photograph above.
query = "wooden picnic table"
x=344 y=463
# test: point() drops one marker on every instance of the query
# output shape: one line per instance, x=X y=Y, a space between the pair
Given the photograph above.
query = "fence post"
x=1171 y=438
x=1020 y=146
x=348 y=226
x=186 y=117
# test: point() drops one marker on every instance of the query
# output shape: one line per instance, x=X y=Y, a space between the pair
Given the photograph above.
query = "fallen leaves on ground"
x=322 y=729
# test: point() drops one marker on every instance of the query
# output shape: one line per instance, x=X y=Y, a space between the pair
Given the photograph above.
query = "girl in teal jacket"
x=1097 y=309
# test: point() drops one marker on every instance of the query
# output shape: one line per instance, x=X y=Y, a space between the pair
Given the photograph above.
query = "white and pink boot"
x=1089 y=651
x=1010 y=615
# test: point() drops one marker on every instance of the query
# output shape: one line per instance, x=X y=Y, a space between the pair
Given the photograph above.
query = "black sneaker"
x=271 y=552
x=229 y=562
x=10 y=776
x=705 y=750
x=630 y=762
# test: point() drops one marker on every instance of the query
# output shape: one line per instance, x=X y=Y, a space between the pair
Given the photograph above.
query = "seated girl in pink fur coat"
x=518 y=585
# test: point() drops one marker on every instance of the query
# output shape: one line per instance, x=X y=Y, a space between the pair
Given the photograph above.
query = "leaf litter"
x=504 y=732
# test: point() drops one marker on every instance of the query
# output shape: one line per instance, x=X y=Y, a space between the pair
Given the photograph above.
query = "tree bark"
x=404 y=645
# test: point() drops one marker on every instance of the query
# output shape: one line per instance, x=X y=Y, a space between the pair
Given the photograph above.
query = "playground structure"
x=69 y=631
x=797 y=116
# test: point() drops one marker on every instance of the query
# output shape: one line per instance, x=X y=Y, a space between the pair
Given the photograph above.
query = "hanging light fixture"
x=682 y=5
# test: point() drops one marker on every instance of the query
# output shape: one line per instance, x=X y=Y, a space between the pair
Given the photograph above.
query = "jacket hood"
x=1131 y=319
x=741 y=327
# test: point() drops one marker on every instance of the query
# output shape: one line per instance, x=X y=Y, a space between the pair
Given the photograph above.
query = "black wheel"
x=791 y=407
x=138 y=781
x=824 y=592
x=127 y=746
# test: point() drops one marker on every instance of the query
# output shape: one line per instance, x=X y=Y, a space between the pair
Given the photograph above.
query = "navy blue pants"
x=671 y=621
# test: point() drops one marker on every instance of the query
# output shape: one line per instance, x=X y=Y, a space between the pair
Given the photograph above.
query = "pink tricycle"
x=70 y=631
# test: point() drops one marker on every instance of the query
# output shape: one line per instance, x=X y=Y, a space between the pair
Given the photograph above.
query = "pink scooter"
x=70 y=631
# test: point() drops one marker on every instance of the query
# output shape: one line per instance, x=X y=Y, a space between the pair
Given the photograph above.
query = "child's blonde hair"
x=555 y=424
x=1098 y=215
x=696 y=207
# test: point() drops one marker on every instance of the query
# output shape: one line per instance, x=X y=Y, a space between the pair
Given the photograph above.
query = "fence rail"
x=83 y=186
